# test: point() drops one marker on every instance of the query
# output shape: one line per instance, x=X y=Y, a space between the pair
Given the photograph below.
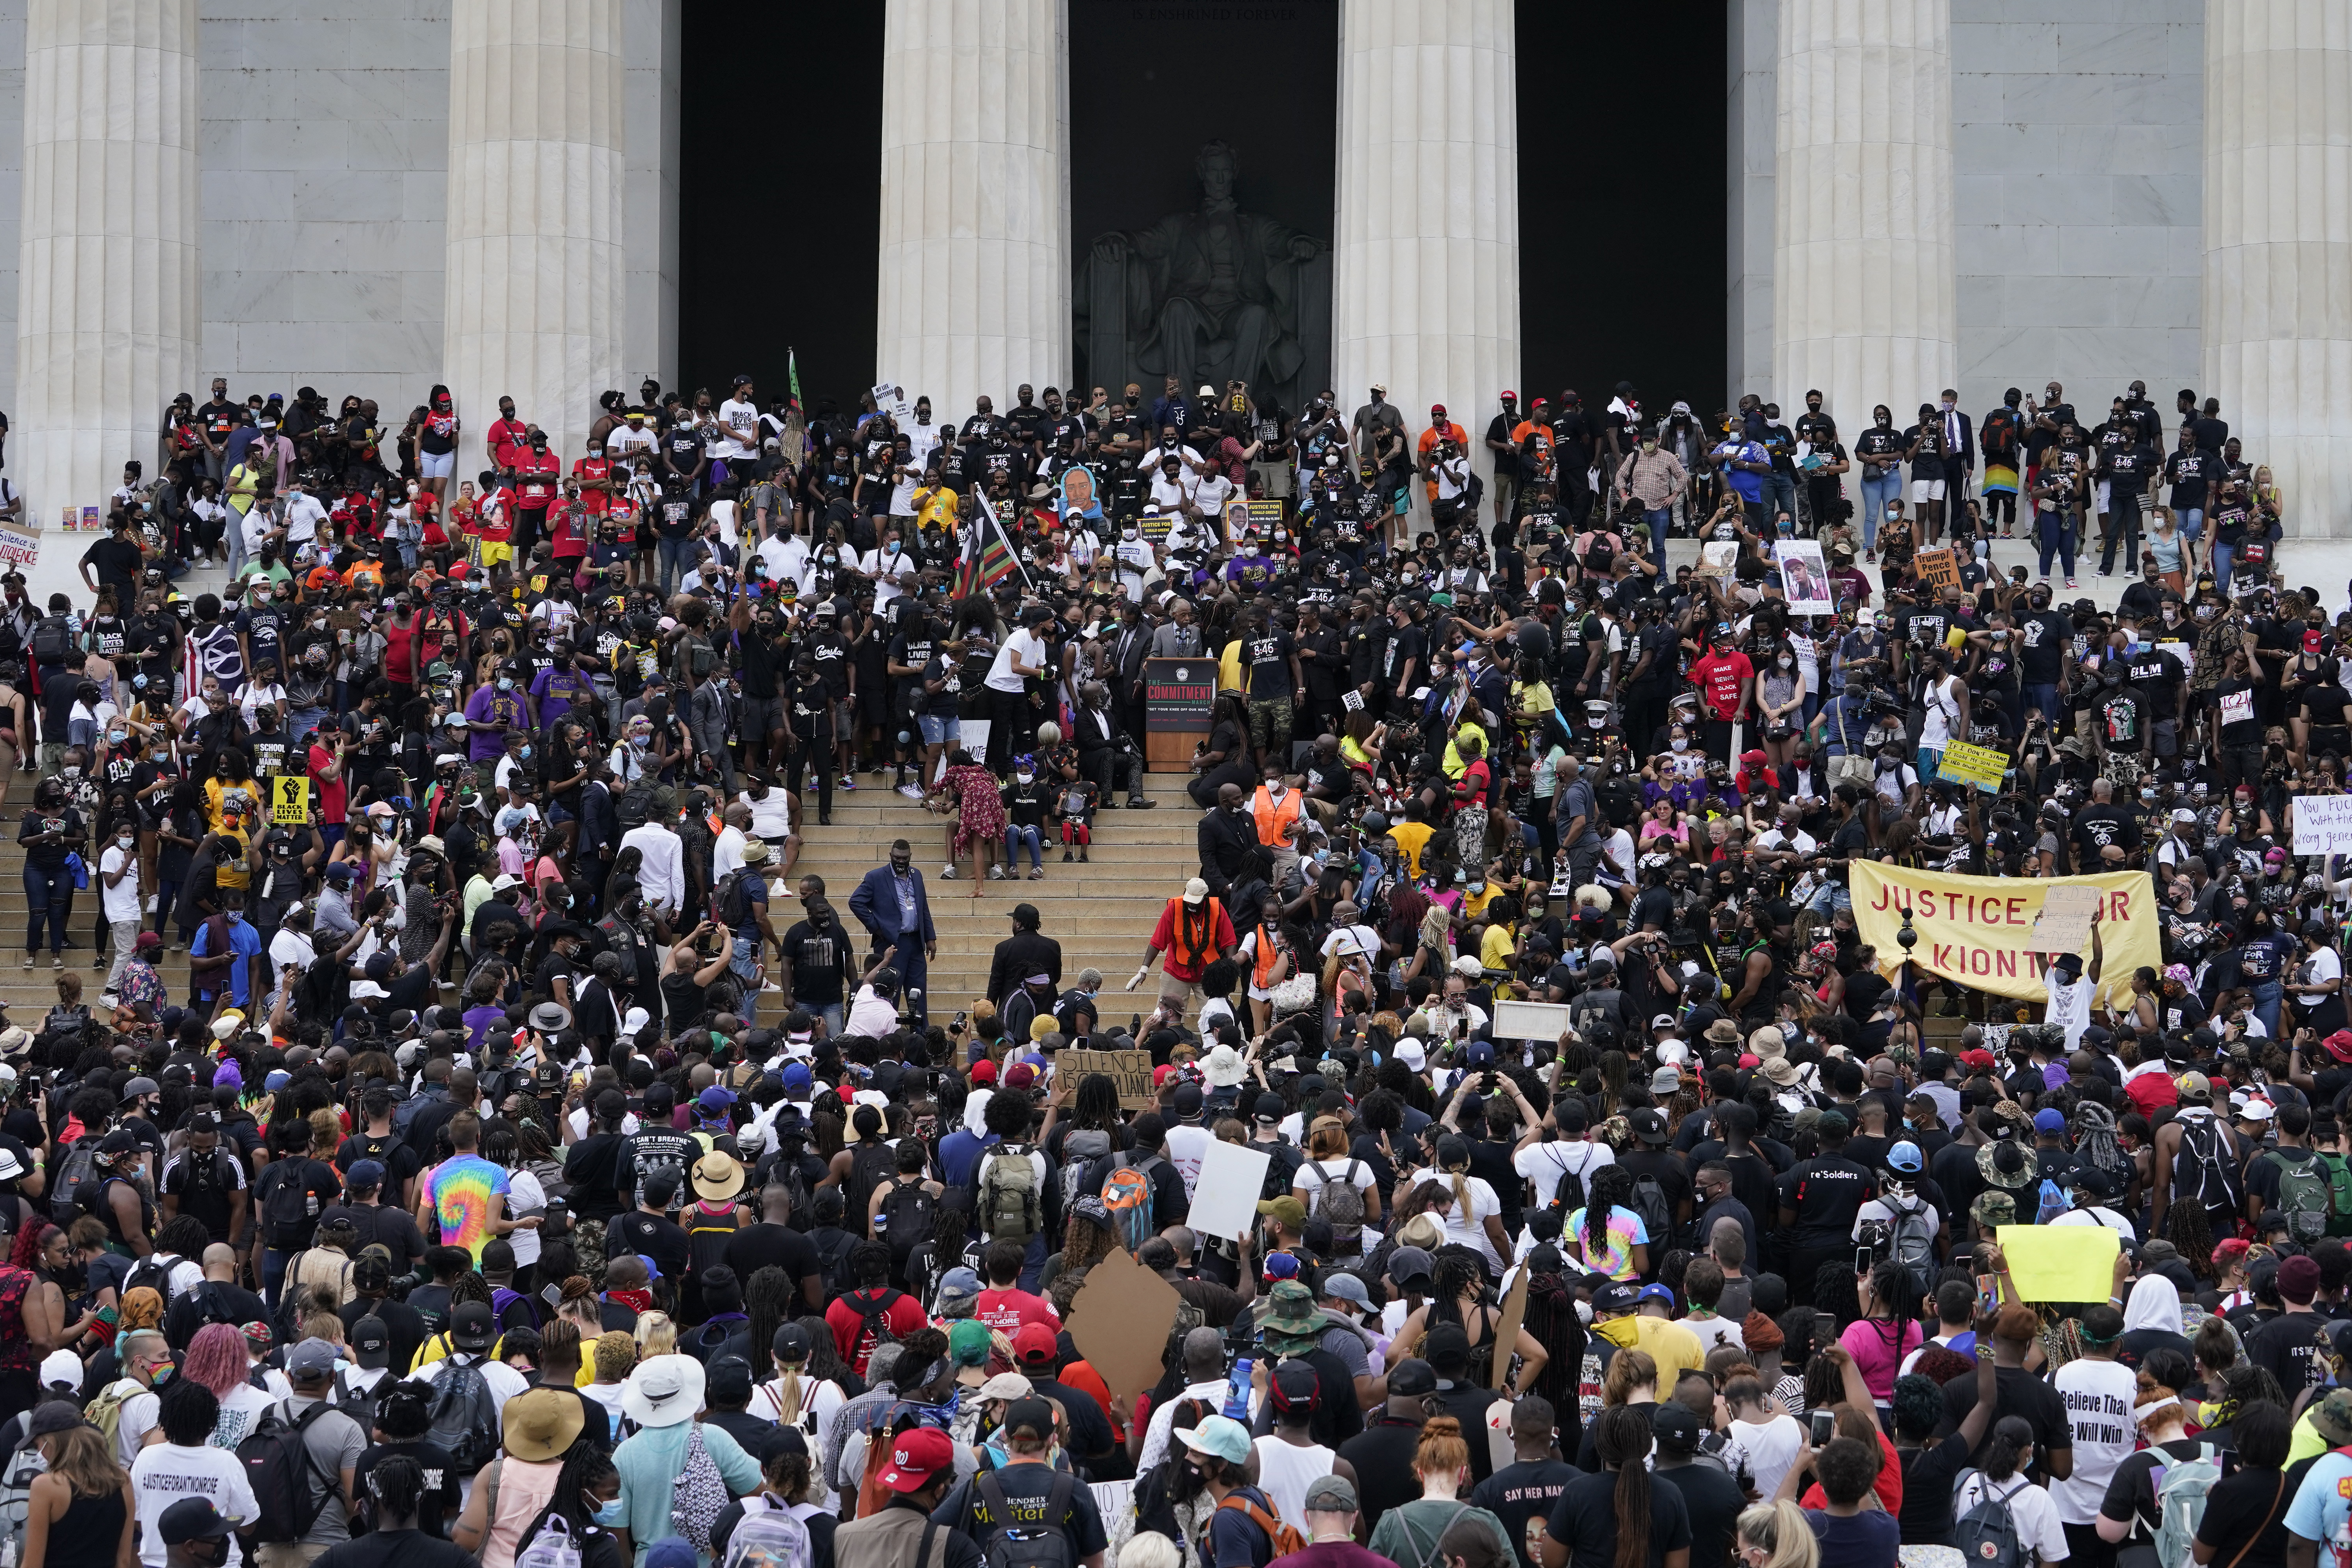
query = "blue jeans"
x=1657 y=520
x=673 y=558
x=50 y=893
x=2190 y=520
x=2043 y=698
x=273 y=1273
x=1875 y=495
x=2222 y=554
x=1015 y=835
x=2268 y=994
x=2057 y=530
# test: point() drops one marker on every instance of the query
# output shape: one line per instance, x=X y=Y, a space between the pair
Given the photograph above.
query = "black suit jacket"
x=1097 y=730
x=1129 y=650
x=1017 y=958
x=1225 y=842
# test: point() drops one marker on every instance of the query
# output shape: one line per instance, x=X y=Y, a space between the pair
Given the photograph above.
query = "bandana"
x=636 y=1300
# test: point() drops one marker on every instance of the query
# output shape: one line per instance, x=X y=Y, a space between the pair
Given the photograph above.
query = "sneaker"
x=176 y=946
x=1137 y=803
x=996 y=873
x=1066 y=856
x=950 y=874
x=151 y=903
x=106 y=999
x=1036 y=873
x=29 y=960
x=55 y=962
x=850 y=783
x=2071 y=583
x=912 y=792
x=770 y=985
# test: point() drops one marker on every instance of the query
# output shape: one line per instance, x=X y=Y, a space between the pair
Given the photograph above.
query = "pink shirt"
x=1877 y=1353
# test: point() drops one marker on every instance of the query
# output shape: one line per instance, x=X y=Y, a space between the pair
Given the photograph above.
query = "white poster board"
x=1541 y=1021
x=17 y=548
x=891 y=399
x=1224 y=1199
x=2322 y=825
x=1804 y=577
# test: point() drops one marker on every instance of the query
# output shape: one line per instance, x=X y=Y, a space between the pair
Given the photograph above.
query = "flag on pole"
x=987 y=559
x=792 y=372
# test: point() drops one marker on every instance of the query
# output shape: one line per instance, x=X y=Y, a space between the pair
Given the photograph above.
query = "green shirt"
x=651 y=1461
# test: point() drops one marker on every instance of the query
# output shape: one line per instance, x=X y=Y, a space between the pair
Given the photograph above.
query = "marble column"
x=534 y=297
x=1425 y=268
x=1864 y=298
x=108 y=307
x=974 y=293
x=2278 y=245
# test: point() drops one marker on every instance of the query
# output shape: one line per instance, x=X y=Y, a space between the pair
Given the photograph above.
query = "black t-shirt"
x=1928 y=1476
x=817 y=960
x=406 y=1548
x=650 y=1236
x=2288 y=1347
x=755 y=1248
x=1268 y=657
x=2249 y=1506
x=1523 y=1495
x=2131 y=1490
x=1713 y=1500
x=443 y=1485
x=1827 y=1191
x=2023 y=1395
x=1026 y=1488
x=1585 y=1520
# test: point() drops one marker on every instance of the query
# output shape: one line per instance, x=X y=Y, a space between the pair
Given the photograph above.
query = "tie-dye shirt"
x=1623 y=1233
x=460 y=1190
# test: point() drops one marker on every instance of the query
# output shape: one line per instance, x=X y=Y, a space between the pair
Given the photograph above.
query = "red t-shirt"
x=494 y=524
x=508 y=441
x=536 y=474
x=1012 y=1309
x=588 y=471
x=569 y=531
x=854 y=1340
x=330 y=791
x=1719 y=677
x=400 y=652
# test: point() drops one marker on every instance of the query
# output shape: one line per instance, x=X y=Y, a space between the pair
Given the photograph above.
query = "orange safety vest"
x=1180 y=939
x=1273 y=819
x=1266 y=960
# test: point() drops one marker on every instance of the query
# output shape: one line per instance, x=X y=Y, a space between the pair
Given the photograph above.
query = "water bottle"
x=310 y=1207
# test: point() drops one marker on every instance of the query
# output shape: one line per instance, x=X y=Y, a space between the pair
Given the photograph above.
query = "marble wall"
x=2077 y=153
x=1751 y=63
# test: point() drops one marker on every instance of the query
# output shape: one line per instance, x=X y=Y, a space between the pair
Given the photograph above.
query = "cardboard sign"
x=1507 y=1332
x=1980 y=765
x=1224 y=1199
x=2321 y=823
x=1266 y=516
x=1979 y=930
x=1130 y=1070
x=289 y=799
x=1541 y=1021
x=2065 y=923
x=1938 y=568
x=2063 y=1263
x=1120 y=1319
x=1718 y=558
x=18 y=548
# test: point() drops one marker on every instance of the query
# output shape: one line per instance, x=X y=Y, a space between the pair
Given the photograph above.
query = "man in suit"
x=1129 y=649
x=1023 y=954
x=1226 y=838
x=1960 y=457
x=1100 y=757
x=890 y=902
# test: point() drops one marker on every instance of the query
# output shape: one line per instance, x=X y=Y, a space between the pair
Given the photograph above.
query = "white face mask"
x=1024 y=778
x=1786 y=662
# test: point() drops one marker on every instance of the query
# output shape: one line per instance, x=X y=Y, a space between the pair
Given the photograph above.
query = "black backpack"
x=287 y=1219
x=735 y=904
x=154 y=1274
x=464 y=1417
x=1043 y=1545
x=871 y=1164
x=1650 y=1202
x=63 y=1196
x=276 y=1459
x=911 y=1214
x=52 y=640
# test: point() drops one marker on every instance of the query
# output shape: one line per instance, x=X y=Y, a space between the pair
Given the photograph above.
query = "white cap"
x=1409 y=1052
x=61 y=1369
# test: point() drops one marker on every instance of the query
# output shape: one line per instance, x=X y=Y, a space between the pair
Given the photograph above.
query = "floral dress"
x=980 y=816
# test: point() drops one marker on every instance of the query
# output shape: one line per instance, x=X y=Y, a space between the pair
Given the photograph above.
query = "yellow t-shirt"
x=1534 y=697
x=936 y=508
x=1475 y=904
x=1229 y=666
x=1494 y=952
x=1409 y=837
x=1453 y=764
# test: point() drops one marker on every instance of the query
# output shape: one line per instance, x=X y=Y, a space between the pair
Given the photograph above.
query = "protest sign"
x=1224 y=1197
x=1130 y=1070
x=1979 y=930
x=1804 y=579
x=2322 y=824
x=1266 y=516
x=1119 y=1322
x=1717 y=558
x=2063 y=1263
x=289 y=800
x=1980 y=765
x=1543 y=1021
x=18 y=548
x=1507 y=1333
x=1938 y=568
x=2065 y=923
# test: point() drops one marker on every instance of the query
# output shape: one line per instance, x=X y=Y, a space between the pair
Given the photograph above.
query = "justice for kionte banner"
x=1979 y=930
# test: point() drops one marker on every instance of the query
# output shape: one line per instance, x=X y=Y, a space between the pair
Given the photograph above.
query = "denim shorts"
x=938 y=728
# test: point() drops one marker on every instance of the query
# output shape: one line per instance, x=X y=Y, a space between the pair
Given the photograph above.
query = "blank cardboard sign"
x=1119 y=1321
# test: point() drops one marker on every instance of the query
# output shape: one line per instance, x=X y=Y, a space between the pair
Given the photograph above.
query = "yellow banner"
x=1979 y=929
x=1980 y=765
x=2063 y=1263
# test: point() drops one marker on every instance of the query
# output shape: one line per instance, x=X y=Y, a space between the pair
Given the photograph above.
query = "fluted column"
x=975 y=293
x=2278 y=244
x=1425 y=272
x=537 y=277
x=107 y=311
x=1862 y=288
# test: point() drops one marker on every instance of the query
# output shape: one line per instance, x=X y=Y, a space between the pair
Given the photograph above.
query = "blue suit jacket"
x=875 y=906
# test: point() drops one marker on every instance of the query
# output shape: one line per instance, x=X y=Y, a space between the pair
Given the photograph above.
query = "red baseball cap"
x=1509 y=397
x=1437 y=408
x=918 y=1454
x=1162 y=1073
x=1034 y=1342
x=1981 y=1060
x=983 y=1071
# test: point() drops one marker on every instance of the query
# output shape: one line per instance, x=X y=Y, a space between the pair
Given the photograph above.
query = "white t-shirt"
x=2098 y=1397
x=1308 y=1190
x=2030 y=1508
x=1713 y=1333
x=239 y=1409
x=524 y=1196
x=2070 y=1006
x=742 y=423
x=1465 y=1224
x=2320 y=966
x=2100 y=1215
x=1187 y=1145
x=1545 y=1164
x=122 y=901
x=163 y=1475
x=1032 y=651
x=1771 y=1448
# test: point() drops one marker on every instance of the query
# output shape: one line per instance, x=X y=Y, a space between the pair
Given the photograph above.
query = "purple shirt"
x=488 y=705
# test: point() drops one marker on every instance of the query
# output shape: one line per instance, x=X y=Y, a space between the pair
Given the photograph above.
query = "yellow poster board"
x=289 y=799
x=1979 y=929
x=1980 y=765
x=2061 y=1262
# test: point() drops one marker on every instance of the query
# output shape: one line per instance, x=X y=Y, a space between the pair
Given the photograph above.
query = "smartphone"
x=1987 y=1292
x=1237 y=1389
x=1823 y=1426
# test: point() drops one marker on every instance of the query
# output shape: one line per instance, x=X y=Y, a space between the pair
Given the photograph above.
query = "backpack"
x=698 y=1496
x=833 y=1261
x=2305 y=1193
x=105 y=1411
x=1008 y=1195
x=1987 y=1533
x=17 y=1477
x=909 y=1215
x=735 y=904
x=1008 y=1545
x=1080 y=1150
x=464 y=1417
x=2203 y=1170
x=287 y=1216
x=2181 y=1504
x=151 y=1275
x=1341 y=1202
x=2050 y=1203
x=774 y=1538
x=2339 y=1193
x=1285 y=1539
x=870 y=1165
x=873 y=1319
x=1568 y=1195
x=502 y=1298
x=276 y=1459
x=1650 y=1202
x=63 y=1207
x=52 y=640
x=553 y=1547
x=1915 y=1247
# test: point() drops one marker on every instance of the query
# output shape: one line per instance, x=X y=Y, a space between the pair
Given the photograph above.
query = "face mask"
x=1585 y=1313
x=505 y=683
x=1023 y=778
x=160 y=1375
x=1788 y=663
x=1681 y=743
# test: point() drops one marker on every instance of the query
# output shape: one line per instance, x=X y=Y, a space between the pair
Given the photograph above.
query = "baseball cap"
x=1333 y=1493
x=1033 y=1344
x=191 y=1519
x=372 y=1343
x=2049 y=1120
x=916 y=1455
x=364 y=1174
x=312 y=1357
x=1413 y=1377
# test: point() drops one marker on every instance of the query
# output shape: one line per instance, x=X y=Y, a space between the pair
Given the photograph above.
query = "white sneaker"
x=151 y=903
x=912 y=792
x=771 y=985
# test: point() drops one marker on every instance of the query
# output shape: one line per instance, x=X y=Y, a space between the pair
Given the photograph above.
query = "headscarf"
x=142 y=1309
x=2154 y=1304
